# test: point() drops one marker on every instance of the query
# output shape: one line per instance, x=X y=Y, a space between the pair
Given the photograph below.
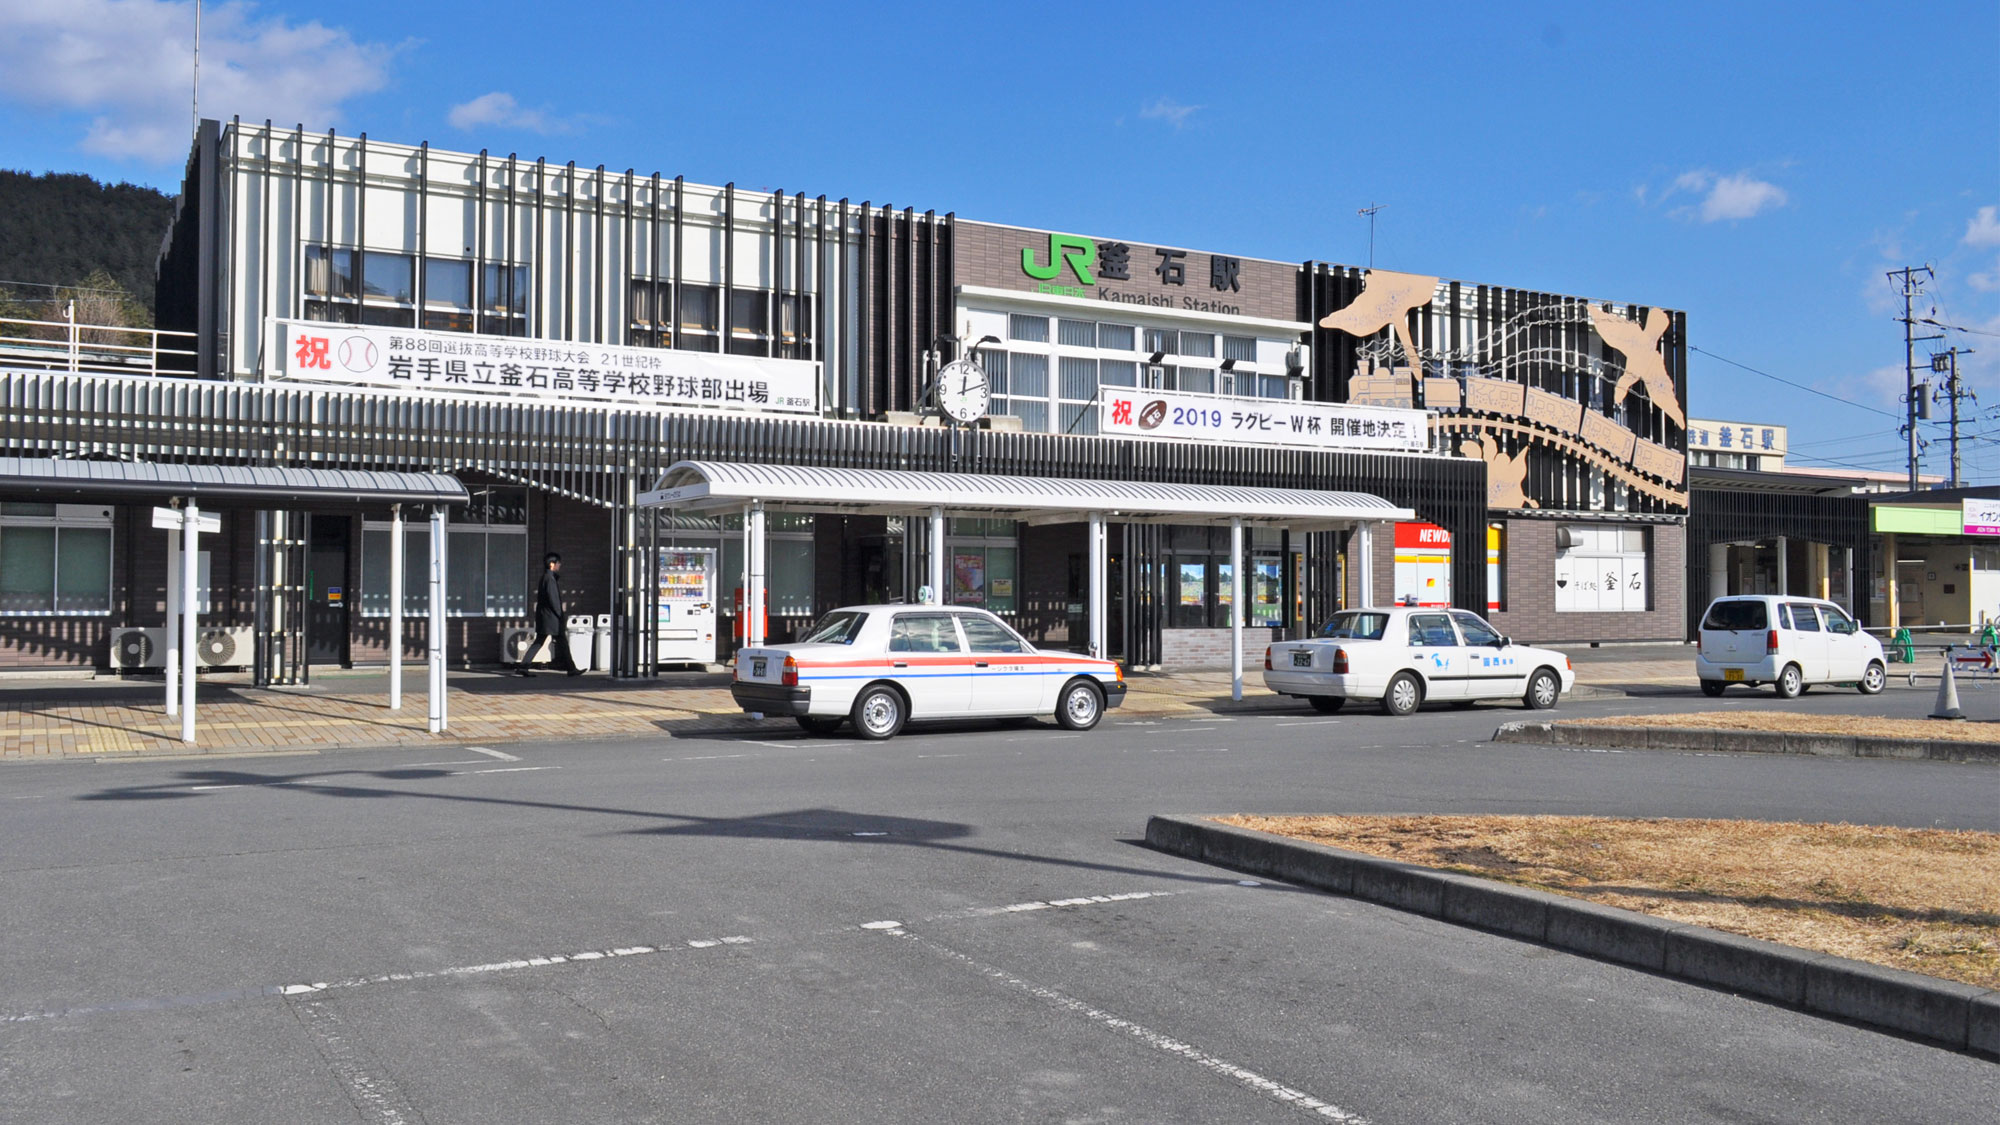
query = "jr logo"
x=1080 y=253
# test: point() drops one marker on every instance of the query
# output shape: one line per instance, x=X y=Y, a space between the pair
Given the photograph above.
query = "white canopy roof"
x=715 y=485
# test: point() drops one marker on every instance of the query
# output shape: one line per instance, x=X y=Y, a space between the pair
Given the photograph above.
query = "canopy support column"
x=1100 y=623
x=190 y=568
x=395 y=607
x=753 y=561
x=1784 y=567
x=1364 y=564
x=1236 y=608
x=937 y=556
x=438 y=718
x=173 y=635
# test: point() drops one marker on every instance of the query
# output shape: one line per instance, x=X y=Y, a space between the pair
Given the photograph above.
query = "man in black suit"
x=549 y=619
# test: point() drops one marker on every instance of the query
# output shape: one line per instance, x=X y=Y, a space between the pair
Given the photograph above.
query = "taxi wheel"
x=812 y=725
x=878 y=712
x=1791 y=682
x=1080 y=707
x=1543 y=690
x=1327 y=704
x=1712 y=688
x=1405 y=695
x=1874 y=679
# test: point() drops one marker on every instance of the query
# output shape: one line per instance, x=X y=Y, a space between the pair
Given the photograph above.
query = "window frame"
x=72 y=517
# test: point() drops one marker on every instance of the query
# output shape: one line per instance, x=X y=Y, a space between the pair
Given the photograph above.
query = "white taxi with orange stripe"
x=880 y=666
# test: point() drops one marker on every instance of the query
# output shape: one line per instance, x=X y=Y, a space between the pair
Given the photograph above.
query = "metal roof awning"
x=266 y=486
x=714 y=485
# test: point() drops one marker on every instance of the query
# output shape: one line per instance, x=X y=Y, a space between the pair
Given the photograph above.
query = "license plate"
x=757 y=667
x=1732 y=673
x=1302 y=659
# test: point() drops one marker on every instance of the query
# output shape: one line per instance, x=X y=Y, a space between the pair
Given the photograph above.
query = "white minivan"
x=1788 y=642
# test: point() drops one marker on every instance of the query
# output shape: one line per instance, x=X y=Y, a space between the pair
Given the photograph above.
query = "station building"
x=557 y=337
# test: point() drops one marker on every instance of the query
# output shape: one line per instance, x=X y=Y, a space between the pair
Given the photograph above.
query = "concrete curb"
x=1959 y=1016
x=1606 y=736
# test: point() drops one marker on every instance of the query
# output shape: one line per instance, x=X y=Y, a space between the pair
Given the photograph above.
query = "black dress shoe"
x=524 y=673
x=576 y=671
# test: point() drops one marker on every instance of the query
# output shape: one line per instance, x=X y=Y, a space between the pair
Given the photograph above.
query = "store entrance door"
x=327 y=596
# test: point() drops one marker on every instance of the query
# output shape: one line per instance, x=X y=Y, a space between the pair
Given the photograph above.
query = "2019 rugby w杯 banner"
x=1131 y=412
x=407 y=358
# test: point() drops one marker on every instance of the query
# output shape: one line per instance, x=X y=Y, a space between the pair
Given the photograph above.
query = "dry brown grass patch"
x=1922 y=899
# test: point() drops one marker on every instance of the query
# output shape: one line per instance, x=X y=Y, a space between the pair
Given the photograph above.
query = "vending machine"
x=686 y=625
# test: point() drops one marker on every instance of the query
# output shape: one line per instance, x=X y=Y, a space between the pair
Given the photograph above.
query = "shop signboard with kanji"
x=608 y=374
x=1182 y=416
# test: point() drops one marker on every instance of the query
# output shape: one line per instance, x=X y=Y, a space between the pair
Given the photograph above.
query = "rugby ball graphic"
x=1151 y=417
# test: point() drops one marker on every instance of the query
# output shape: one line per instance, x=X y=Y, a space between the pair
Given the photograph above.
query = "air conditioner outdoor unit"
x=138 y=648
x=515 y=641
x=217 y=648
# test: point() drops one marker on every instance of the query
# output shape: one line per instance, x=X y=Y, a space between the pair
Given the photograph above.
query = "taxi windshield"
x=1356 y=626
x=836 y=629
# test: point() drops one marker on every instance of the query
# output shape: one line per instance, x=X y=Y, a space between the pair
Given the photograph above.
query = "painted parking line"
x=1308 y=723
x=492 y=753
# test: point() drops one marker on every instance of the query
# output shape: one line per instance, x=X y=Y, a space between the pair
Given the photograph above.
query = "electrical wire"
x=1800 y=386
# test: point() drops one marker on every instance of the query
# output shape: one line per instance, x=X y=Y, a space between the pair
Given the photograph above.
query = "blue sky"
x=1760 y=166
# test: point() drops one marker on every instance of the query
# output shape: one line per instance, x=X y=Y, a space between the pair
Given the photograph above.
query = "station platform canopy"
x=260 y=486
x=721 y=485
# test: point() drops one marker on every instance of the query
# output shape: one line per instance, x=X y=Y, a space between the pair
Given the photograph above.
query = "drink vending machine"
x=686 y=626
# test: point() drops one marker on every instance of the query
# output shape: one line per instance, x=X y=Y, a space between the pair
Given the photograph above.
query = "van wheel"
x=1080 y=707
x=1543 y=690
x=1791 y=682
x=812 y=725
x=878 y=713
x=1874 y=679
x=1712 y=688
x=1327 y=704
x=1405 y=695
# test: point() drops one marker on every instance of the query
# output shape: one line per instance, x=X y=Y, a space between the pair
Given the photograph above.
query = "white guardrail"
x=66 y=345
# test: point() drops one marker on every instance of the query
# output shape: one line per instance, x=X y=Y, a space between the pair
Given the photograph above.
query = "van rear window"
x=1736 y=617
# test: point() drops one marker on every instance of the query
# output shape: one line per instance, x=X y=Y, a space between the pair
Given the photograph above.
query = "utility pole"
x=1946 y=363
x=1912 y=401
x=1370 y=212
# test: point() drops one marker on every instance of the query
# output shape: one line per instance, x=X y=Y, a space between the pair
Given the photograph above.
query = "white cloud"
x=1740 y=197
x=500 y=108
x=1168 y=110
x=1984 y=228
x=129 y=64
x=1987 y=282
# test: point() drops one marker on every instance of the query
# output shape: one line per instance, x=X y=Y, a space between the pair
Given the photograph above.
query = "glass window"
x=1273 y=386
x=700 y=318
x=983 y=634
x=923 y=632
x=1199 y=379
x=504 y=289
x=388 y=277
x=1076 y=333
x=995 y=364
x=388 y=316
x=1431 y=629
x=1243 y=349
x=1028 y=391
x=1804 y=618
x=486 y=560
x=1032 y=329
x=1197 y=344
x=1117 y=373
x=330 y=272
x=836 y=629
x=794 y=326
x=448 y=281
x=1115 y=337
x=1353 y=625
x=1078 y=377
x=1475 y=629
x=1267 y=592
x=1164 y=341
x=55 y=560
x=1736 y=617
x=1190 y=609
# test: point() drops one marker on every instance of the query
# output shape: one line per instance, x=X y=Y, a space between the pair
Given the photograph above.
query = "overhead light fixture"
x=1157 y=357
x=1229 y=365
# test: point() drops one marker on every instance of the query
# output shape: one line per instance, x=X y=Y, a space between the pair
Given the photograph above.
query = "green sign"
x=1080 y=254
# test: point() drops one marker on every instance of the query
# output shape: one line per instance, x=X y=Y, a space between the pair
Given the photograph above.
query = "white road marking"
x=779 y=745
x=1312 y=723
x=423 y=765
x=942 y=755
x=1158 y=1041
x=205 y=788
x=1211 y=719
x=867 y=833
x=492 y=753
x=881 y=925
x=369 y=1086
x=1188 y=750
x=706 y=758
x=26 y=796
x=1041 y=738
x=506 y=769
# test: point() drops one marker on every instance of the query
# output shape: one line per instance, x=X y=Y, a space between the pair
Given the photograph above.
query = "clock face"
x=962 y=392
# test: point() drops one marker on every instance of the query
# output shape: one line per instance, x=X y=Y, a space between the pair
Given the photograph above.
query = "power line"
x=1800 y=386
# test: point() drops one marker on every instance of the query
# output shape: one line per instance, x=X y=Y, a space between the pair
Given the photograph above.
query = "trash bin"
x=600 y=644
x=578 y=631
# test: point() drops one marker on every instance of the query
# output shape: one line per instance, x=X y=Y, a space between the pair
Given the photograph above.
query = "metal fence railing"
x=68 y=345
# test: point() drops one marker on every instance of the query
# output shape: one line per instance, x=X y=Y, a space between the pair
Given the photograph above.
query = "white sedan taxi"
x=880 y=666
x=1404 y=655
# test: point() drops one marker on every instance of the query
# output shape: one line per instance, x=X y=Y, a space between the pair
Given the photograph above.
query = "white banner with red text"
x=1139 y=413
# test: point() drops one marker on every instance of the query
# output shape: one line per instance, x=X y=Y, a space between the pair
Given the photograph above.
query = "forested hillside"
x=60 y=228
